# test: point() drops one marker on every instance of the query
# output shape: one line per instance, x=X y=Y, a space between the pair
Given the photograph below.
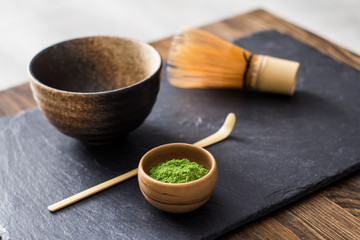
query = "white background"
x=28 y=26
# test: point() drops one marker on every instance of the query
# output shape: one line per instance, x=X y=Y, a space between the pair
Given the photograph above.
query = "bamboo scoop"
x=218 y=136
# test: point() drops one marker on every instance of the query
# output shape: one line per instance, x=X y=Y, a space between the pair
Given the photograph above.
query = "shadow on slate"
x=282 y=149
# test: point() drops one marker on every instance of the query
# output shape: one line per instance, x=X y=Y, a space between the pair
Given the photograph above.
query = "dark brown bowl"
x=96 y=89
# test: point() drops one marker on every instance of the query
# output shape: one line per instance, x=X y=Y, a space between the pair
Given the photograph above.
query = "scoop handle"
x=91 y=191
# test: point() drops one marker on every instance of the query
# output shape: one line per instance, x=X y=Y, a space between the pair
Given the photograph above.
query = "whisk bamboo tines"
x=198 y=59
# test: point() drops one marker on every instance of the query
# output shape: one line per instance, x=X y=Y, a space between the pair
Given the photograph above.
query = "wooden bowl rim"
x=211 y=172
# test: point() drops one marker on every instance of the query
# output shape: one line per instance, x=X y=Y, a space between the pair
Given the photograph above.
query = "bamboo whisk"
x=198 y=59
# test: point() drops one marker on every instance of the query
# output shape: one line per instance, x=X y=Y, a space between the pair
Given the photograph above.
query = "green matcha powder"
x=177 y=171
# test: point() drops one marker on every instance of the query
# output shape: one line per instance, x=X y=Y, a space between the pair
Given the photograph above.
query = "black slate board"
x=282 y=148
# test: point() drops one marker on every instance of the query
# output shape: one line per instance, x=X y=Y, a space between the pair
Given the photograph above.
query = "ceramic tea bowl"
x=177 y=197
x=96 y=89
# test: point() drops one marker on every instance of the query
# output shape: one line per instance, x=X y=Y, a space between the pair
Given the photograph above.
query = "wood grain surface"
x=333 y=213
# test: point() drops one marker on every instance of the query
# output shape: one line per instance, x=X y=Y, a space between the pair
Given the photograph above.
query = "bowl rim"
x=33 y=79
x=212 y=170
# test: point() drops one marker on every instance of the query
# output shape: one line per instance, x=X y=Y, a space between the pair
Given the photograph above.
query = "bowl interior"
x=177 y=151
x=95 y=64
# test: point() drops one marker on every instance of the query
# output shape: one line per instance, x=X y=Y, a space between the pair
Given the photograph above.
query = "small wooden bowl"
x=96 y=89
x=177 y=197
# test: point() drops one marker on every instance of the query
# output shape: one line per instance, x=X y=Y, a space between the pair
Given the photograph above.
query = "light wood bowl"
x=177 y=197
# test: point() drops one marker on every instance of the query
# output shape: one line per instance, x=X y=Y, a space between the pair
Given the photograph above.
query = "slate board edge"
x=299 y=40
x=290 y=200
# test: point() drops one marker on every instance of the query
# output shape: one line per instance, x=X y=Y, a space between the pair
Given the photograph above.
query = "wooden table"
x=333 y=213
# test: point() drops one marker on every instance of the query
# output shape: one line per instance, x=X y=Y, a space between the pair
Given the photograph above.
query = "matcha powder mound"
x=177 y=171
